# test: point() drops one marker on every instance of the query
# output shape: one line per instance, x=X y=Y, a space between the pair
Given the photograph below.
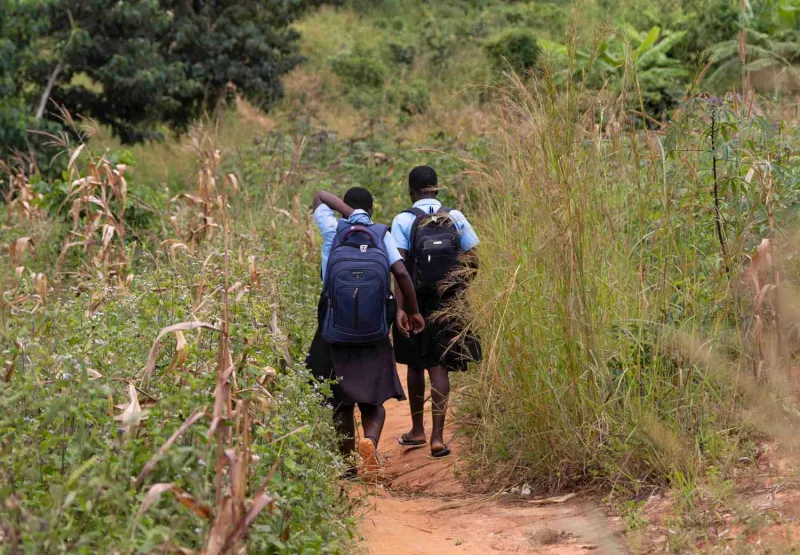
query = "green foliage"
x=402 y=54
x=412 y=99
x=56 y=411
x=144 y=63
x=630 y=59
x=706 y=23
x=359 y=68
x=68 y=467
x=516 y=48
x=762 y=53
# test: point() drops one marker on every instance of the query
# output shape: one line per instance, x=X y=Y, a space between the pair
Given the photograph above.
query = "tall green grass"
x=604 y=289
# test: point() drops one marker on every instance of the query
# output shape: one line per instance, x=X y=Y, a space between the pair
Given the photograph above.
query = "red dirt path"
x=421 y=507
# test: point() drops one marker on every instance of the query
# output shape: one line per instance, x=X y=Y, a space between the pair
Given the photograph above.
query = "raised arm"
x=332 y=201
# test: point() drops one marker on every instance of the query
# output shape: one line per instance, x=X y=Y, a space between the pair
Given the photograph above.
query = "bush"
x=403 y=54
x=517 y=48
x=359 y=69
x=411 y=98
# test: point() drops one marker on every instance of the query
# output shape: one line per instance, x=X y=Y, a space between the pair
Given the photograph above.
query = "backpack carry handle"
x=360 y=229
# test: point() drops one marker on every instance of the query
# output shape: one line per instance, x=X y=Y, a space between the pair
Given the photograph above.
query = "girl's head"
x=423 y=183
x=359 y=197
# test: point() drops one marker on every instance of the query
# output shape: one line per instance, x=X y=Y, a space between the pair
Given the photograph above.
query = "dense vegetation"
x=621 y=181
x=139 y=67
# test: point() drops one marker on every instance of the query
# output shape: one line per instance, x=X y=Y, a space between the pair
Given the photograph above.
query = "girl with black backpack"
x=435 y=243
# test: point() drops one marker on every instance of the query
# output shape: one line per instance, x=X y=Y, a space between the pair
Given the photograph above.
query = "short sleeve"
x=391 y=249
x=401 y=230
x=469 y=239
x=326 y=221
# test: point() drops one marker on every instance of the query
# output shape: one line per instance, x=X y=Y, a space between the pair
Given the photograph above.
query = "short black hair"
x=422 y=177
x=358 y=197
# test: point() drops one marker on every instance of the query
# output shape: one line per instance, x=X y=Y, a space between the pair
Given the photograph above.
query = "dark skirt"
x=364 y=373
x=443 y=341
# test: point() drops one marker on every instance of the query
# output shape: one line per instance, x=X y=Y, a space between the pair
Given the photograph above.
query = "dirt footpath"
x=422 y=508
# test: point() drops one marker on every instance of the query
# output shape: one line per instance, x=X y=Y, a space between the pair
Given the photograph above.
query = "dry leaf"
x=232 y=181
x=260 y=500
x=183 y=326
x=181 y=351
x=188 y=500
x=94 y=304
x=133 y=412
x=251 y=260
x=18 y=248
x=108 y=234
x=93 y=374
x=287 y=214
x=152 y=496
x=40 y=285
x=74 y=156
x=270 y=375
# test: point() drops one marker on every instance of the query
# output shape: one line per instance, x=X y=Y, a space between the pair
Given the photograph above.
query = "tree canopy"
x=140 y=65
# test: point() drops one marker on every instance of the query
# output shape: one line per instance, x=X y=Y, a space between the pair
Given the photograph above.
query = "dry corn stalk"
x=98 y=200
x=197 y=215
x=20 y=198
x=764 y=279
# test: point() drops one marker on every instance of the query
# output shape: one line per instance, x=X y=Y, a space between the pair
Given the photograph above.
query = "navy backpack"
x=357 y=285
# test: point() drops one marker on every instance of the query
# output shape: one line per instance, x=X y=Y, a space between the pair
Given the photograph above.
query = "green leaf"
x=649 y=40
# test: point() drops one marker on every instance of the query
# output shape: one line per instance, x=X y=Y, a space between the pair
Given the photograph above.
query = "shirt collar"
x=359 y=216
x=425 y=202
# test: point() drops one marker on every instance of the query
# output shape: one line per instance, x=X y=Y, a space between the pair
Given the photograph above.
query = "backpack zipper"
x=355 y=307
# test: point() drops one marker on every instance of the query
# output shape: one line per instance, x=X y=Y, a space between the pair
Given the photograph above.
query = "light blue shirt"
x=401 y=226
x=328 y=223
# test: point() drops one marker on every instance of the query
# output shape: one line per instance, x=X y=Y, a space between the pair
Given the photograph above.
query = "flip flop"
x=439 y=453
x=405 y=441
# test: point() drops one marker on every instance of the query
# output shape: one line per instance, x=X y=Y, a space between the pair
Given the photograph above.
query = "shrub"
x=402 y=54
x=517 y=48
x=359 y=69
x=412 y=99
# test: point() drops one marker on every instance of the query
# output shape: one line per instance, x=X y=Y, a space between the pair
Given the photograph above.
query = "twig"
x=717 y=212
x=417 y=528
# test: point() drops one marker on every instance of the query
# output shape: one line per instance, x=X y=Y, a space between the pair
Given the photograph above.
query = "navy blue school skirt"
x=441 y=342
x=365 y=373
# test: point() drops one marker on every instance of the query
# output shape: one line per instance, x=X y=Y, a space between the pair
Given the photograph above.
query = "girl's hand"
x=401 y=321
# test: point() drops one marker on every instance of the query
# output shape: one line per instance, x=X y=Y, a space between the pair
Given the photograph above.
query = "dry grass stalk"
x=98 y=198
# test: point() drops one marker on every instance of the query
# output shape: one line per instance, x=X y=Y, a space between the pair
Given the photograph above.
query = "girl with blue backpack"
x=355 y=310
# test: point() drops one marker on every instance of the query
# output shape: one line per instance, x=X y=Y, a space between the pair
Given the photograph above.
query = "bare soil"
x=420 y=506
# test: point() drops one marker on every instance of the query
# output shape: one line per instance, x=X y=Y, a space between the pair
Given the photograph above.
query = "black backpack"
x=435 y=247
